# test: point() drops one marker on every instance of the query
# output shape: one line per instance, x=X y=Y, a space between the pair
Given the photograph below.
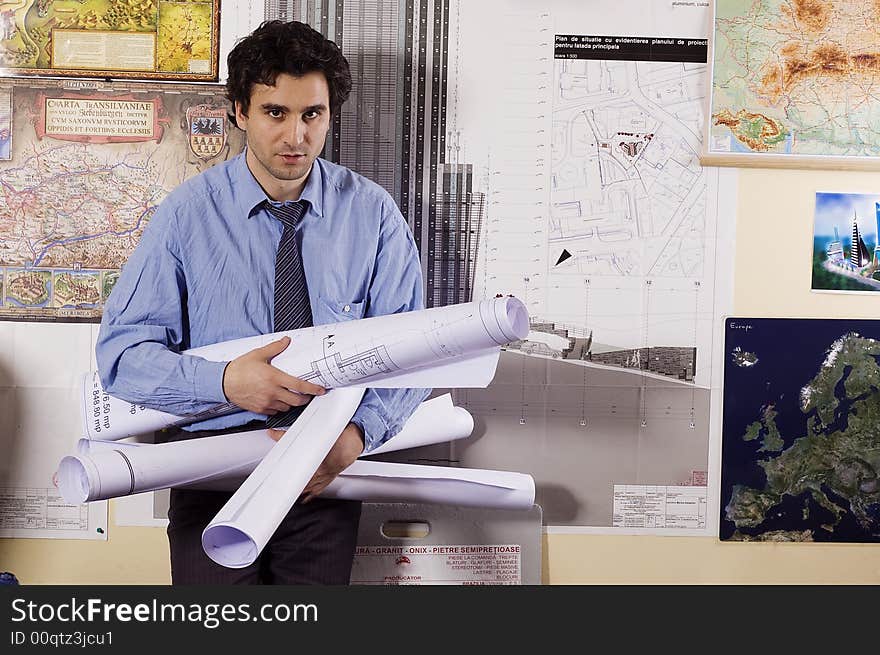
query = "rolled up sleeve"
x=396 y=287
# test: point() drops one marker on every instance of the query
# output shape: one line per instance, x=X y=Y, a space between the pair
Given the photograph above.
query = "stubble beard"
x=286 y=173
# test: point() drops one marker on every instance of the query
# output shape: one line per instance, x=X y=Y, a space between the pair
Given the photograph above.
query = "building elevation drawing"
x=393 y=129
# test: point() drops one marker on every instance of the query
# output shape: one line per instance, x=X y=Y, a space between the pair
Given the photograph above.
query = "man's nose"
x=297 y=131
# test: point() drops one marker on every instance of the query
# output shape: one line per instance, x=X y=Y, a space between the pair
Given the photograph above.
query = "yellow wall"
x=129 y=556
x=772 y=278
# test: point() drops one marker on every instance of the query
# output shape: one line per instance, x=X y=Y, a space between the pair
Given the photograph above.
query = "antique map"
x=795 y=78
x=88 y=169
x=111 y=38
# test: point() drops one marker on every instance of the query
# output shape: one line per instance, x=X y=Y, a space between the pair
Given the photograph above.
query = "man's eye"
x=311 y=114
x=276 y=113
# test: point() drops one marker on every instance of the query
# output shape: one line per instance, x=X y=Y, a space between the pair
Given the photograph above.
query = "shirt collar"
x=313 y=191
x=248 y=191
x=251 y=194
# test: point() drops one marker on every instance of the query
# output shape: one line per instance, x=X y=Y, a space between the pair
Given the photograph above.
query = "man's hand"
x=345 y=451
x=253 y=384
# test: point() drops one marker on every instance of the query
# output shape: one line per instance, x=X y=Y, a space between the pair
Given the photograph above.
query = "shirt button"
x=347 y=308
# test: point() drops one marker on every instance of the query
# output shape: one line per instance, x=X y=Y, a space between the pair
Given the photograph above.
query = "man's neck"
x=277 y=190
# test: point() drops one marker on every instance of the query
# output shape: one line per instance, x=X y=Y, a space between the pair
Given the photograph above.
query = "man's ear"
x=240 y=117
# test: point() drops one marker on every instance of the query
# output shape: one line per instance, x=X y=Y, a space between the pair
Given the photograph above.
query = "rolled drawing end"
x=529 y=488
x=229 y=546
x=466 y=420
x=505 y=318
x=510 y=491
x=73 y=481
x=517 y=317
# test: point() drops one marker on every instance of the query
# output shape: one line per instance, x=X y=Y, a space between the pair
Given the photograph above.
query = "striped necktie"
x=292 y=307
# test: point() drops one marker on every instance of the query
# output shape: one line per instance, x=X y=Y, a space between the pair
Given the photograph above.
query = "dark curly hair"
x=277 y=47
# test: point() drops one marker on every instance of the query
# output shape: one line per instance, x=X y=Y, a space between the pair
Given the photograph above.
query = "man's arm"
x=144 y=326
x=396 y=287
x=142 y=332
x=348 y=447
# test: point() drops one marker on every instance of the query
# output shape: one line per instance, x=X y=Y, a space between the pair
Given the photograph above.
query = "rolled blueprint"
x=391 y=482
x=243 y=526
x=453 y=346
x=109 y=469
x=241 y=529
x=435 y=421
x=92 y=446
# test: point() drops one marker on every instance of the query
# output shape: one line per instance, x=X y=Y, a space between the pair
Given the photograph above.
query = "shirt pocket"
x=343 y=310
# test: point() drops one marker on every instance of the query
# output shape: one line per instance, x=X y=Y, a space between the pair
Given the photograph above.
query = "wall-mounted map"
x=793 y=84
x=88 y=168
x=111 y=38
x=801 y=451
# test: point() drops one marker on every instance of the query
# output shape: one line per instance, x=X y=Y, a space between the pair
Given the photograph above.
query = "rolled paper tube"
x=390 y=482
x=109 y=469
x=243 y=526
x=455 y=346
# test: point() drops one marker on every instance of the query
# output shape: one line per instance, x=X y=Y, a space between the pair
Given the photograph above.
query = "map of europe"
x=801 y=448
x=796 y=77
x=87 y=170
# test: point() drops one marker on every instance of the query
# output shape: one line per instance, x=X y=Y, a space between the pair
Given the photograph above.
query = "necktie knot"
x=289 y=213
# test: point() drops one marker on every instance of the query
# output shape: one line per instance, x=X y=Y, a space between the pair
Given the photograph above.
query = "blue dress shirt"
x=204 y=272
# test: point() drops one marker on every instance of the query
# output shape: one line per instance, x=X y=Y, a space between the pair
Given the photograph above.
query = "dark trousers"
x=314 y=544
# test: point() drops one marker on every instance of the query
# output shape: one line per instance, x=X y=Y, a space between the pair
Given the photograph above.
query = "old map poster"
x=88 y=169
x=111 y=38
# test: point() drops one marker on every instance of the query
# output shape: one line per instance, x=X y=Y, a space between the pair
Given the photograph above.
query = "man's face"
x=286 y=128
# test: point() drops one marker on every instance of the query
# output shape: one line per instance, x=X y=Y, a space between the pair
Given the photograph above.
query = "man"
x=230 y=254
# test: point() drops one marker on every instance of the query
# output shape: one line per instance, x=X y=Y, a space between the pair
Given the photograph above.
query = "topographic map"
x=801 y=451
x=796 y=77
x=88 y=169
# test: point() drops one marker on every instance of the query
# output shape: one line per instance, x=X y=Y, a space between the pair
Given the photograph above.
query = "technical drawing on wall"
x=567 y=174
